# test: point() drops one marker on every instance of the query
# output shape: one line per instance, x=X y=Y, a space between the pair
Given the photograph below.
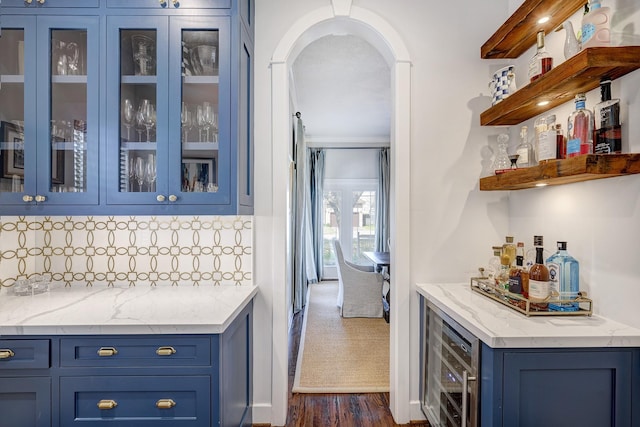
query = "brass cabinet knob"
x=107 y=404
x=173 y=198
x=28 y=1
x=160 y=198
x=165 y=404
x=6 y=353
x=163 y=3
x=176 y=3
x=40 y=198
x=27 y=198
x=107 y=351
x=165 y=351
x=41 y=1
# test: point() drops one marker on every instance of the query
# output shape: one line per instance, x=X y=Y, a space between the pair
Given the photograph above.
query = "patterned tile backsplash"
x=135 y=250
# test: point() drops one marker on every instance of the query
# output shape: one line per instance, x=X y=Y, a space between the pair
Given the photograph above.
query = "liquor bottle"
x=539 y=278
x=596 y=25
x=541 y=62
x=502 y=279
x=546 y=138
x=509 y=249
x=564 y=279
x=608 y=136
x=561 y=143
x=518 y=275
x=580 y=129
x=524 y=150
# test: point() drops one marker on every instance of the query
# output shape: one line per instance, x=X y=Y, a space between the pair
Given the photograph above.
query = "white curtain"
x=307 y=242
x=382 y=205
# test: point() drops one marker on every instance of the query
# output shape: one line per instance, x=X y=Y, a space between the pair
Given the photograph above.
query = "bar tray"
x=487 y=287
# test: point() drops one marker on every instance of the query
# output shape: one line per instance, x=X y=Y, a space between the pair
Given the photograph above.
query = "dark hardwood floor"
x=339 y=410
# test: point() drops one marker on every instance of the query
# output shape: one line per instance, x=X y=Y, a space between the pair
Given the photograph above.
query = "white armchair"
x=359 y=289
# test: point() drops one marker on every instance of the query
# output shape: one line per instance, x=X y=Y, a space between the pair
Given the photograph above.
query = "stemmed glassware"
x=140 y=171
x=200 y=119
x=148 y=116
x=128 y=114
x=186 y=119
x=150 y=172
x=209 y=118
x=139 y=123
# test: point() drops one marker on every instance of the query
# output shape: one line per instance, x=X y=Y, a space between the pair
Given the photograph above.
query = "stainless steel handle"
x=40 y=198
x=107 y=404
x=165 y=351
x=173 y=197
x=161 y=198
x=6 y=353
x=465 y=400
x=165 y=404
x=107 y=351
x=27 y=198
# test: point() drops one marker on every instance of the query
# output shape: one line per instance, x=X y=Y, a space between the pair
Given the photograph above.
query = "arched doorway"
x=342 y=17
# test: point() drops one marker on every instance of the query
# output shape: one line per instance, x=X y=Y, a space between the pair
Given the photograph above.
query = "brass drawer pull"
x=165 y=351
x=5 y=353
x=107 y=351
x=107 y=404
x=165 y=404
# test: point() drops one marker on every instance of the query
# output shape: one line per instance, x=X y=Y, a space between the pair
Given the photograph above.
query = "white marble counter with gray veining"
x=501 y=327
x=123 y=310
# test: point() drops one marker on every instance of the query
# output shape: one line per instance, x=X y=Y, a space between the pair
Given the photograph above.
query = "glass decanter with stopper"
x=502 y=163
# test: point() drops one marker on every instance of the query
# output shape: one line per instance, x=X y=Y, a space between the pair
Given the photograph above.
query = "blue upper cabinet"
x=49 y=112
x=133 y=107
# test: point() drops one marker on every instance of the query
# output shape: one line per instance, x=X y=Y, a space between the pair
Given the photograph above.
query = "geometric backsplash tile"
x=134 y=250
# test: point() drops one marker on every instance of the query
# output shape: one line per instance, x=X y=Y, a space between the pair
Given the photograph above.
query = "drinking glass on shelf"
x=146 y=116
x=139 y=123
x=150 y=172
x=209 y=118
x=186 y=119
x=143 y=55
x=140 y=171
x=200 y=120
x=132 y=171
x=149 y=119
x=128 y=114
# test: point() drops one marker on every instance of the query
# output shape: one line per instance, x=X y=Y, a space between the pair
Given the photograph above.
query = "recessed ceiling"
x=342 y=86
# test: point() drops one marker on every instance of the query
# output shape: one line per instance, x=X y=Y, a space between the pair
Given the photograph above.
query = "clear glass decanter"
x=502 y=163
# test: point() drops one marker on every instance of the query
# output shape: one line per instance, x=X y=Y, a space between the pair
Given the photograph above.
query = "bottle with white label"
x=546 y=138
x=539 y=279
x=524 y=150
x=564 y=279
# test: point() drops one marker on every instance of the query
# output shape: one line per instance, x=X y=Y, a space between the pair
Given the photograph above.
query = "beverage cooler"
x=450 y=369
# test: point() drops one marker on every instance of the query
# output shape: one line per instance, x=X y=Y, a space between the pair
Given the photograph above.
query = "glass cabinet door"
x=17 y=95
x=68 y=122
x=200 y=164
x=49 y=111
x=170 y=134
x=137 y=109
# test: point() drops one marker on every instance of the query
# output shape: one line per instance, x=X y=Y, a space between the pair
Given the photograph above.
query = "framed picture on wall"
x=198 y=174
x=12 y=150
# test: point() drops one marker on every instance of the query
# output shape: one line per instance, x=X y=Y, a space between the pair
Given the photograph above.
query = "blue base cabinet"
x=560 y=387
x=128 y=380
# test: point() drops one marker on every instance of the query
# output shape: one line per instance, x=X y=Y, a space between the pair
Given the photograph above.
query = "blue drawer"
x=169 y=4
x=171 y=351
x=24 y=354
x=136 y=401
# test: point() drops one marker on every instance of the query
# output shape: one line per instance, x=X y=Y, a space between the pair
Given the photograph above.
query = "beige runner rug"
x=339 y=355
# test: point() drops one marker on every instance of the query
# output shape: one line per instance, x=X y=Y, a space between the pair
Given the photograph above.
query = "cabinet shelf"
x=555 y=172
x=11 y=78
x=518 y=33
x=581 y=73
x=69 y=79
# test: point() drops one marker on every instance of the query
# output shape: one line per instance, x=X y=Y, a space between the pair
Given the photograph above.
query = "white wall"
x=453 y=224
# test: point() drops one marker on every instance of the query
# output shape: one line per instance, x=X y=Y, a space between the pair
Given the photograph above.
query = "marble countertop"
x=124 y=310
x=500 y=327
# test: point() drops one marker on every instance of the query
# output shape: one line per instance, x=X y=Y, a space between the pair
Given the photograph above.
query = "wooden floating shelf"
x=580 y=73
x=555 y=172
x=518 y=33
